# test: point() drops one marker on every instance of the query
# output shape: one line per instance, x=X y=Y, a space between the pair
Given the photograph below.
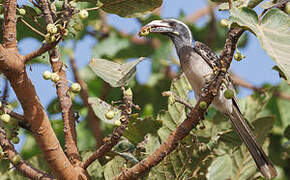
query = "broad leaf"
x=100 y=108
x=273 y=32
x=114 y=167
x=130 y=8
x=115 y=74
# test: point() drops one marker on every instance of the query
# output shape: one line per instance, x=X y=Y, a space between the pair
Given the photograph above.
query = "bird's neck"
x=179 y=42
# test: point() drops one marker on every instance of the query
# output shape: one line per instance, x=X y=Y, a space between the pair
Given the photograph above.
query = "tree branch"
x=22 y=166
x=117 y=133
x=93 y=119
x=13 y=67
x=63 y=95
x=195 y=116
x=241 y=82
x=9 y=24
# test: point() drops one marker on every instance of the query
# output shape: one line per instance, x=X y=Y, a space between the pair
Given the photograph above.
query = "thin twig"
x=62 y=89
x=32 y=28
x=241 y=82
x=117 y=133
x=43 y=49
x=94 y=121
x=5 y=91
x=177 y=99
x=20 y=118
x=22 y=166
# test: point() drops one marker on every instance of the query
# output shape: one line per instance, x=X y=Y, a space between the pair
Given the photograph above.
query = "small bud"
x=129 y=92
x=22 y=12
x=72 y=4
x=225 y=23
x=5 y=118
x=202 y=105
x=229 y=94
x=16 y=160
x=75 y=88
x=2 y=155
x=0 y=104
x=78 y=27
x=46 y=75
x=15 y=140
x=110 y=114
x=83 y=14
x=171 y=99
x=54 y=77
x=117 y=123
x=51 y=28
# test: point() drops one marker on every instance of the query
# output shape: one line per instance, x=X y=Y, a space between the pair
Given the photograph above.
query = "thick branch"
x=13 y=67
x=93 y=119
x=9 y=25
x=63 y=95
x=22 y=166
x=195 y=116
x=116 y=135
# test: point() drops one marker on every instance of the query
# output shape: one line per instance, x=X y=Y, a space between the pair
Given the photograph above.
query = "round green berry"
x=75 y=88
x=202 y=105
x=22 y=12
x=15 y=140
x=5 y=118
x=16 y=160
x=239 y=56
x=50 y=38
x=110 y=114
x=287 y=8
x=225 y=23
x=54 y=77
x=78 y=26
x=83 y=14
x=51 y=28
x=229 y=94
x=46 y=75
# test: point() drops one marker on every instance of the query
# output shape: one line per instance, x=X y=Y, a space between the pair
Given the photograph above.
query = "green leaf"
x=95 y=170
x=114 y=167
x=115 y=74
x=100 y=108
x=273 y=32
x=220 y=168
x=138 y=128
x=130 y=8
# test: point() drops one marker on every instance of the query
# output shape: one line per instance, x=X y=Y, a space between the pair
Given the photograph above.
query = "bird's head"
x=175 y=29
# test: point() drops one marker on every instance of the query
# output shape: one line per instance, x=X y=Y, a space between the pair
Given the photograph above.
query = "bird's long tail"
x=262 y=161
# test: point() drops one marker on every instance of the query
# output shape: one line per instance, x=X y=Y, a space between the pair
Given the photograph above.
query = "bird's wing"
x=207 y=54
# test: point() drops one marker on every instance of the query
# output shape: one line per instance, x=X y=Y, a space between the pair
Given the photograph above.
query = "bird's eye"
x=171 y=24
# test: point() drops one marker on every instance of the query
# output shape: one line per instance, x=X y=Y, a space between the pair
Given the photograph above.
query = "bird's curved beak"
x=157 y=26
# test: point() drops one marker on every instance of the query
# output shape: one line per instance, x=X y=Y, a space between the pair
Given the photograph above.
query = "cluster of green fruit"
x=10 y=125
x=54 y=77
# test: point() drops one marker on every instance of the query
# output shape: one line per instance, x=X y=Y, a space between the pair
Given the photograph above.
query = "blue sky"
x=255 y=68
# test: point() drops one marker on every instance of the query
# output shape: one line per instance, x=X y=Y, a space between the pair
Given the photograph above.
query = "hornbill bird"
x=198 y=63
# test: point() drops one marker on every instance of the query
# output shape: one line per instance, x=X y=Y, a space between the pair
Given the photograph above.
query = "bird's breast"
x=197 y=72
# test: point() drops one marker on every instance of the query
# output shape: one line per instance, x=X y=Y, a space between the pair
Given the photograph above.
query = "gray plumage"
x=198 y=63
